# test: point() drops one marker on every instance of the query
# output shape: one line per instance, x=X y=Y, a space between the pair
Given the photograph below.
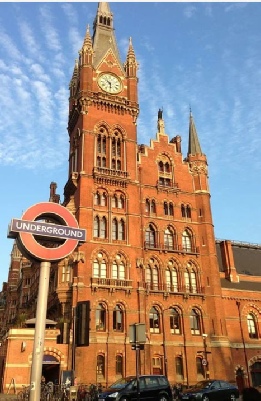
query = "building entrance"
x=51 y=369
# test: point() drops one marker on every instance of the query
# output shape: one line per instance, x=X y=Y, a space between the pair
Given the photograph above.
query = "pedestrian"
x=251 y=394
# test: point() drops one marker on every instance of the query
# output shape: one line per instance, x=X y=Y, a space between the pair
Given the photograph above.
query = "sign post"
x=41 y=224
x=137 y=335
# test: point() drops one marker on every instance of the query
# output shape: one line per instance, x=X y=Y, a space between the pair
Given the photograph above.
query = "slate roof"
x=247 y=258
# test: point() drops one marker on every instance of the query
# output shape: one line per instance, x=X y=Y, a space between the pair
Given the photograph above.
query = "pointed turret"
x=131 y=65
x=86 y=52
x=103 y=34
x=193 y=144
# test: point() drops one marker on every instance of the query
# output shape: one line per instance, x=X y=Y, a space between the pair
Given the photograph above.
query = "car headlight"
x=113 y=395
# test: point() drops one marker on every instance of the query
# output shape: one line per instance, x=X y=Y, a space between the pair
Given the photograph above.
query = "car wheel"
x=205 y=398
x=233 y=397
x=163 y=397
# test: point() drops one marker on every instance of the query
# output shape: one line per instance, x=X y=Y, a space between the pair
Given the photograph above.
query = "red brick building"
x=151 y=255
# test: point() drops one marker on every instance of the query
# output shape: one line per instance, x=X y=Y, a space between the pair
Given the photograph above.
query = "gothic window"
x=175 y=321
x=101 y=147
x=119 y=268
x=99 y=267
x=118 y=229
x=190 y=281
x=117 y=318
x=186 y=212
x=97 y=199
x=152 y=274
x=100 y=227
x=187 y=241
x=150 y=237
x=179 y=368
x=100 y=199
x=168 y=209
x=154 y=320
x=116 y=150
x=100 y=366
x=150 y=206
x=195 y=322
x=100 y=318
x=118 y=201
x=164 y=173
x=252 y=326
x=171 y=275
x=119 y=365
x=170 y=239
x=200 y=369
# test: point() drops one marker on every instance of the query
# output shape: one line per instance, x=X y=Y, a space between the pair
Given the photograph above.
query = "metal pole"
x=137 y=346
x=37 y=362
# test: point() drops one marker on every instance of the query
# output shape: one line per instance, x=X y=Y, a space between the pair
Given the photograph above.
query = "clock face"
x=110 y=83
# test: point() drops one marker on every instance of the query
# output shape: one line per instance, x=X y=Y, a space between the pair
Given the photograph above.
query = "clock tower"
x=150 y=255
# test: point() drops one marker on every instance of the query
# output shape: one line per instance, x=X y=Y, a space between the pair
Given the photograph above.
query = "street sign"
x=38 y=224
x=204 y=362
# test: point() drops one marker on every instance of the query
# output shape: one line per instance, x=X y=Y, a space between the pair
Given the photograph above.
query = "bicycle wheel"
x=20 y=396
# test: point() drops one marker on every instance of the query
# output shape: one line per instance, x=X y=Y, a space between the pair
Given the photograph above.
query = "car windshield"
x=203 y=384
x=121 y=383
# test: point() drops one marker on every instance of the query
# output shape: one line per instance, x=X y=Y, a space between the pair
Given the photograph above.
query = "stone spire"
x=103 y=34
x=131 y=65
x=193 y=144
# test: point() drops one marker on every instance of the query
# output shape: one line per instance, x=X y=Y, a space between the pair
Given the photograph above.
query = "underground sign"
x=34 y=230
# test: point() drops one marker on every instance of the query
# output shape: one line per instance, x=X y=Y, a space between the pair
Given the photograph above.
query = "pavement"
x=8 y=397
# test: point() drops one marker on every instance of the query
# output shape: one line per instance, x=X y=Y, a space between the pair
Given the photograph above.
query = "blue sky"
x=200 y=55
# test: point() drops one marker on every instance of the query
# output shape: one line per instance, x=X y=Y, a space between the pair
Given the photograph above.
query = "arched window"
x=119 y=268
x=195 y=322
x=117 y=318
x=119 y=365
x=175 y=321
x=99 y=267
x=154 y=320
x=150 y=237
x=150 y=206
x=97 y=199
x=103 y=226
x=190 y=281
x=103 y=199
x=164 y=171
x=186 y=241
x=152 y=275
x=118 y=229
x=101 y=147
x=116 y=150
x=171 y=278
x=251 y=325
x=100 y=227
x=186 y=212
x=100 y=318
x=100 y=367
x=169 y=239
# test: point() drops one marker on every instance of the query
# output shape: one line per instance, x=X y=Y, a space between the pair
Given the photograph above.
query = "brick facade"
x=151 y=255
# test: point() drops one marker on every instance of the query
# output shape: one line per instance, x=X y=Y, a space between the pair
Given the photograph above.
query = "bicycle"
x=23 y=395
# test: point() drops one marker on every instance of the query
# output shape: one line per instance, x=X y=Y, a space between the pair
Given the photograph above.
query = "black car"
x=152 y=388
x=211 y=390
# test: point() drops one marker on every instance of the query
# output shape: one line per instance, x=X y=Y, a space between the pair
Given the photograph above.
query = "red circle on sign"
x=45 y=210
